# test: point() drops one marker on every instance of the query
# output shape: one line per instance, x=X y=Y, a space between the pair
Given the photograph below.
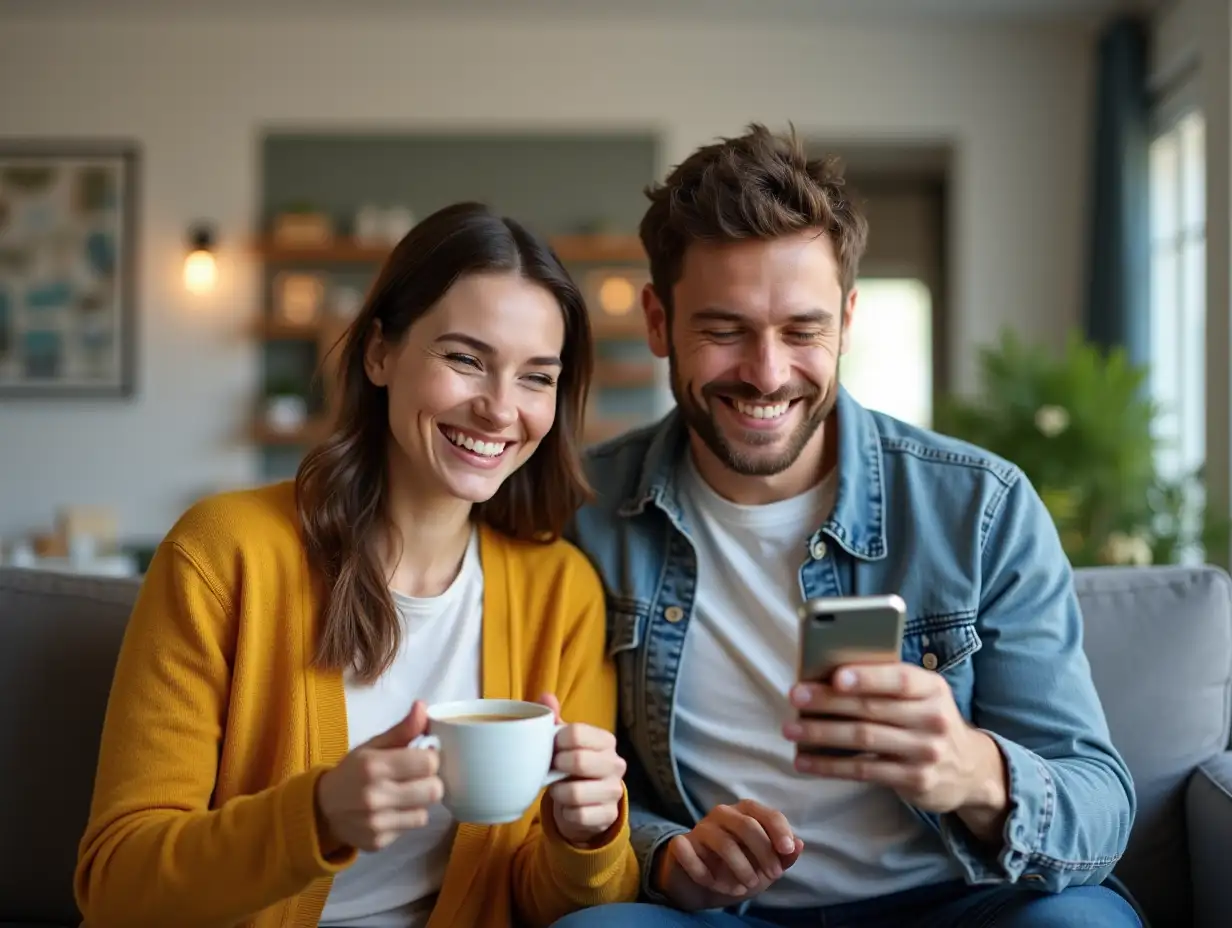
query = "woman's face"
x=472 y=384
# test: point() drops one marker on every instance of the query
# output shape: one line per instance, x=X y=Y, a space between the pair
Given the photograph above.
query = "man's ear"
x=657 y=335
x=849 y=311
x=376 y=356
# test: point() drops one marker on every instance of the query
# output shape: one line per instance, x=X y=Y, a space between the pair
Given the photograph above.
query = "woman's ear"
x=377 y=356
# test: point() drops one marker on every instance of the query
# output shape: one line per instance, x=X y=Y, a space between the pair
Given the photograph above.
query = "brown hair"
x=757 y=186
x=341 y=485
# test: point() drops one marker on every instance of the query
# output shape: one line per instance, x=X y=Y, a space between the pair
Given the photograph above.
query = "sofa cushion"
x=1160 y=645
x=59 y=638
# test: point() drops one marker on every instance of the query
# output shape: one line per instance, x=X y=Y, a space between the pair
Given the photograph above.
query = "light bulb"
x=200 y=271
x=617 y=296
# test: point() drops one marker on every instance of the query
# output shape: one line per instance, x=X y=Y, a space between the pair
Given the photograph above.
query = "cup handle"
x=426 y=743
x=555 y=776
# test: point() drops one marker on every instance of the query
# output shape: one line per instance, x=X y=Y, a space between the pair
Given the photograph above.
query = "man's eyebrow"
x=475 y=344
x=811 y=316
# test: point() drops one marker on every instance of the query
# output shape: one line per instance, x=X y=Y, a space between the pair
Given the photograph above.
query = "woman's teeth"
x=755 y=411
x=489 y=449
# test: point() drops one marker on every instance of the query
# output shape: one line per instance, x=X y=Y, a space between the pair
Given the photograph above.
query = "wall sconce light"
x=200 y=270
x=617 y=295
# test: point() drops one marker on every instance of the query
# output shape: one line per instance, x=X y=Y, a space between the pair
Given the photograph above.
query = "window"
x=1178 y=290
x=889 y=361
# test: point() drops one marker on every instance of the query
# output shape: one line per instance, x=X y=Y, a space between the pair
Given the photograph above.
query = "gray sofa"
x=1159 y=640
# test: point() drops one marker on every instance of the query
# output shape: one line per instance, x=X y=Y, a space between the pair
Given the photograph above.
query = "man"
x=984 y=780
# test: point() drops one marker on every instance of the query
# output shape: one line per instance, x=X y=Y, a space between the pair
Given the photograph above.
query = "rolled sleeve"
x=1070 y=795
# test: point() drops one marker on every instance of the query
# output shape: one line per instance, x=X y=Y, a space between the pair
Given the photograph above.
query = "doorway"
x=897 y=359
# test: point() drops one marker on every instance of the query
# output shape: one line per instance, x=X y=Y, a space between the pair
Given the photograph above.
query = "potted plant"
x=1083 y=428
x=286 y=405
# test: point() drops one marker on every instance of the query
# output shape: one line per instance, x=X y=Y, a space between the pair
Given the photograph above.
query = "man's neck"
x=815 y=461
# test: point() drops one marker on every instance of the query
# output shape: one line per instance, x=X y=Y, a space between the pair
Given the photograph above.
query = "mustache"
x=739 y=390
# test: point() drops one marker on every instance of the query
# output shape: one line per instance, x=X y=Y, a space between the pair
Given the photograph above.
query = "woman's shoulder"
x=232 y=522
x=553 y=562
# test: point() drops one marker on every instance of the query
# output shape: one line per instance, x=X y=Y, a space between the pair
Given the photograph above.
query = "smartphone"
x=836 y=631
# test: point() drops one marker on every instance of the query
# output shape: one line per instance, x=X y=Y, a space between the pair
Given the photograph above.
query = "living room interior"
x=1047 y=183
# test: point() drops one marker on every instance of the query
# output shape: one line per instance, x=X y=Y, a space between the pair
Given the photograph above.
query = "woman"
x=255 y=765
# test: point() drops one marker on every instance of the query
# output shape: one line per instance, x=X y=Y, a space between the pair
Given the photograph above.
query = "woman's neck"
x=427 y=541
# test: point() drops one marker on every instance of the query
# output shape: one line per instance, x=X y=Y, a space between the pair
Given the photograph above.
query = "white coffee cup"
x=496 y=755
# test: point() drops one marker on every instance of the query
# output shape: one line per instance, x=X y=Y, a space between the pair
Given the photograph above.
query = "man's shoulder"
x=615 y=468
x=912 y=446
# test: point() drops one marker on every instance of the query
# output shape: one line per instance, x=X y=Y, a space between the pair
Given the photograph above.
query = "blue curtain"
x=1118 y=288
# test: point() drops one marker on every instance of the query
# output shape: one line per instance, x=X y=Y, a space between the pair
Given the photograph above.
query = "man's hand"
x=733 y=854
x=911 y=737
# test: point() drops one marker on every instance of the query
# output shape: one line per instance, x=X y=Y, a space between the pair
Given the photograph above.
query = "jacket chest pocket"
x=626 y=626
x=940 y=643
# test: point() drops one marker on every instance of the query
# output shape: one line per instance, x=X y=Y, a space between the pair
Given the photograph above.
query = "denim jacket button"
x=673 y=614
x=818 y=550
x=929 y=661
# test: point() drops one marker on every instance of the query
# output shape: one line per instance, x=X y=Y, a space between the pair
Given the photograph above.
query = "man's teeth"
x=754 y=411
x=489 y=449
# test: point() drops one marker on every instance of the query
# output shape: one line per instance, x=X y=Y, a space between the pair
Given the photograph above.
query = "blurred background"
x=195 y=195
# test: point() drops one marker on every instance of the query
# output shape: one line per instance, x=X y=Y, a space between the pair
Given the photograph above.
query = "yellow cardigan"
x=218 y=728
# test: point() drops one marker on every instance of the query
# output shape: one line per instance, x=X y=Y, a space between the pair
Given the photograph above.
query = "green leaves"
x=1081 y=426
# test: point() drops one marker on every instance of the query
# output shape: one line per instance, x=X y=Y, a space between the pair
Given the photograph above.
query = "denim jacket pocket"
x=626 y=621
x=626 y=626
x=940 y=642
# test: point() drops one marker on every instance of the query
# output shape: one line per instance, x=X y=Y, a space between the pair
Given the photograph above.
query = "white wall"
x=197 y=93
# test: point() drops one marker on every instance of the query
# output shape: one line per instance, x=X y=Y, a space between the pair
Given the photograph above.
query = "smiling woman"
x=277 y=667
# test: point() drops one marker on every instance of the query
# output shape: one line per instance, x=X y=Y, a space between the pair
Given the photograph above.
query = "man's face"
x=754 y=343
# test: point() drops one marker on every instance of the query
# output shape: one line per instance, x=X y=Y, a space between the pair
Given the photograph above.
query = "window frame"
x=1177 y=378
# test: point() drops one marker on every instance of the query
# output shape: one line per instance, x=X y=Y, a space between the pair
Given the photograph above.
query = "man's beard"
x=746 y=462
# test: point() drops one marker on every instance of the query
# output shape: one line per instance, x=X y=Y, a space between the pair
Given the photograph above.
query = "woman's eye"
x=543 y=380
x=468 y=359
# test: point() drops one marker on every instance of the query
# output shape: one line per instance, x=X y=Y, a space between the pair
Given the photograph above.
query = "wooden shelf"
x=290 y=331
x=614 y=373
x=599 y=430
x=581 y=249
x=599 y=249
x=311 y=433
x=323 y=329
x=342 y=251
x=631 y=326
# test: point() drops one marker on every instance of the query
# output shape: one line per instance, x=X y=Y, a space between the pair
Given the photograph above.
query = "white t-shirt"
x=740 y=660
x=437 y=661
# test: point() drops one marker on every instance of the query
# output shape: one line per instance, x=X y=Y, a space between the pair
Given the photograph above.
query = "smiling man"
x=985 y=784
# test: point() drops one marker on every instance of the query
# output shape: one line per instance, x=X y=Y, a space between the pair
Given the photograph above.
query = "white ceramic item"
x=492 y=770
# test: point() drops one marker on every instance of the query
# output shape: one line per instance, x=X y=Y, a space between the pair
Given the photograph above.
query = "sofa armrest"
x=1208 y=808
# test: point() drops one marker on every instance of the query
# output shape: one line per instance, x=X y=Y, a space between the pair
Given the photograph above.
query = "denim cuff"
x=647 y=838
x=1032 y=801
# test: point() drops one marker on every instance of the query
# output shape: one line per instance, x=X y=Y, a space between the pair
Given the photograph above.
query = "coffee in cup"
x=495 y=756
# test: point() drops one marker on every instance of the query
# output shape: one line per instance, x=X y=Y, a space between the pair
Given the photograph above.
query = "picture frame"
x=68 y=268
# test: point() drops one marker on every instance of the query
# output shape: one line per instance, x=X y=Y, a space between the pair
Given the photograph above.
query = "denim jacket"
x=965 y=540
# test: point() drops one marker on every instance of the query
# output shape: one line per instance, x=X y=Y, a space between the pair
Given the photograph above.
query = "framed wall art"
x=68 y=250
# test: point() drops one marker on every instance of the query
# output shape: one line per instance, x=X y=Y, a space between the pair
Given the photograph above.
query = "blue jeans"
x=945 y=905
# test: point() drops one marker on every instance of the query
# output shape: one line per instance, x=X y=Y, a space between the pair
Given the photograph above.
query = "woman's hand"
x=379 y=790
x=587 y=804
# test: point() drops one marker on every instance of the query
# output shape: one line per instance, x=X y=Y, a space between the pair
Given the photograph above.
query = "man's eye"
x=804 y=337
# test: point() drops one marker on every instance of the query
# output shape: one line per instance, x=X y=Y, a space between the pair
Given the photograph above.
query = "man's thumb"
x=402 y=733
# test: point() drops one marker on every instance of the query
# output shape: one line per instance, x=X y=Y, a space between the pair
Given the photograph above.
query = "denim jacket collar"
x=857 y=522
